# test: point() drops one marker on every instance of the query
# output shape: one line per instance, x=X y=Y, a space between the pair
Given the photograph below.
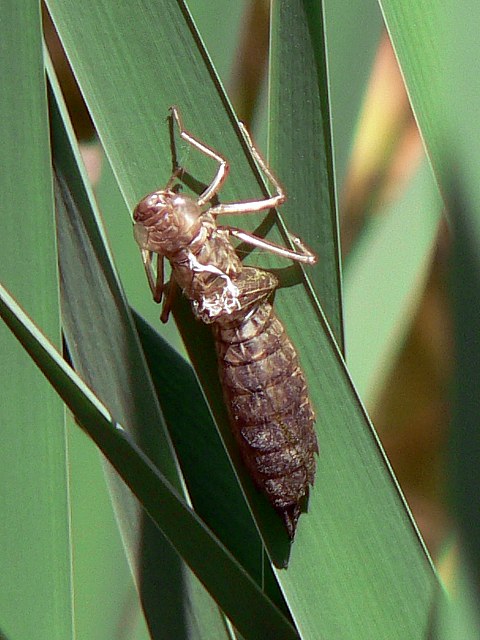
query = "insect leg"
x=304 y=254
x=168 y=301
x=177 y=171
x=254 y=205
x=155 y=280
x=159 y=284
x=262 y=163
x=223 y=168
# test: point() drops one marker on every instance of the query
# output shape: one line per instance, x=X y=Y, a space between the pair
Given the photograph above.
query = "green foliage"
x=201 y=544
x=35 y=561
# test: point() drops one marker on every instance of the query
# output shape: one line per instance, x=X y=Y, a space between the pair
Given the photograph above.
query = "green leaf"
x=299 y=105
x=384 y=278
x=132 y=102
x=418 y=34
x=221 y=44
x=459 y=164
x=98 y=546
x=213 y=488
x=334 y=544
x=3 y=636
x=457 y=616
x=353 y=31
x=98 y=330
x=35 y=562
x=357 y=551
x=137 y=151
x=103 y=583
x=465 y=440
x=461 y=99
x=444 y=88
x=253 y=614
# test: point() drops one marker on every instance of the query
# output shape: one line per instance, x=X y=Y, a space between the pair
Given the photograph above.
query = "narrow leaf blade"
x=35 y=563
x=237 y=594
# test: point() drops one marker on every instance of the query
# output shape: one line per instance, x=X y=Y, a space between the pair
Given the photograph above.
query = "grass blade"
x=421 y=57
x=353 y=31
x=35 y=563
x=241 y=599
x=299 y=104
x=465 y=440
x=444 y=90
x=122 y=142
x=378 y=558
x=343 y=491
x=379 y=309
x=99 y=330
x=213 y=488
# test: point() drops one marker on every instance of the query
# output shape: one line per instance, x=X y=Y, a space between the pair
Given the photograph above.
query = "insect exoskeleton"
x=264 y=387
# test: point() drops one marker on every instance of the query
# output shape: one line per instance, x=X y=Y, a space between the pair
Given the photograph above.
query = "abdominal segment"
x=271 y=416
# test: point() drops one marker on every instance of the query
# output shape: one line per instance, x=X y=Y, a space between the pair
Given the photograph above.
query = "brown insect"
x=263 y=385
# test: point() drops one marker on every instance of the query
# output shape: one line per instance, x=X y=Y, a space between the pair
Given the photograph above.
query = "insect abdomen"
x=271 y=415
